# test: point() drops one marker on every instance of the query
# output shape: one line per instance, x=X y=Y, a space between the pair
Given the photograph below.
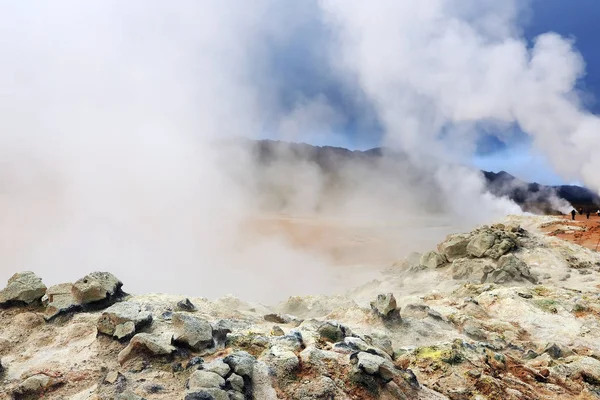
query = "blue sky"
x=579 y=20
x=298 y=67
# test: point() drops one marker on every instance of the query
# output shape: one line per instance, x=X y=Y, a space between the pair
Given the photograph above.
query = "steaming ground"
x=273 y=256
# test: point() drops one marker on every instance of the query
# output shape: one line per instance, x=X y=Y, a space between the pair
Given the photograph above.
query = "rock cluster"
x=495 y=333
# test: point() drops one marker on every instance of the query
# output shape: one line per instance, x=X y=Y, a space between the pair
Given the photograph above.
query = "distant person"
x=573 y=214
x=587 y=215
x=580 y=210
x=598 y=213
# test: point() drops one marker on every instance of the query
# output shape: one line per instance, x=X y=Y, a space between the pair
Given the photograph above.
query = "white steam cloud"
x=112 y=117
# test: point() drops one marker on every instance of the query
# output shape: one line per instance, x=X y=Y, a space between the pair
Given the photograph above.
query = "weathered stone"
x=433 y=259
x=321 y=387
x=122 y=320
x=129 y=395
x=145 y=342
x=241 y=363
x=207 y=394
x=112 y=377
x=481 y=243
x=236 y=382
x=282 y=361
x=500 y=248
x=205 y=379
x=473 y=331
x=192 y=331
x=384 y=305
x=124 y=330
x=186 y=305
x=455 y=246
x=97 y=286
x=277 y=318
x=24 y=287
x=331 y=331
x=60 y=300
x=36 y=384
x=586 y=368
x=375 y=365
x=277 y=331
x=233 y=395
x=218 y=367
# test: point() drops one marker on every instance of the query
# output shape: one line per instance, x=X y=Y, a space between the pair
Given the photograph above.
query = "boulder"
x=385 y=306
x=97 y=286
x=468 y=268
x=375 y=365
x=481 y=243
x=122 y=320
x=218 y=367
x=36 y=384
x=60 y=300
x=236 y=382
x=277 y=318
x=455 y=246
x=282 y=361
x=433 y=259
x=586 y=368
x=500 y=248
x=191 y=331
x=331 y=332
x=207 y=394
x=186 y=305
x=205 y=379
x=147 y=343
x=23 y=287
x=512 y=268
x=241 y=363
x=277 y=331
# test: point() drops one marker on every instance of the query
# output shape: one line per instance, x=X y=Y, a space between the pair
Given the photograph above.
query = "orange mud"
x=584 y=232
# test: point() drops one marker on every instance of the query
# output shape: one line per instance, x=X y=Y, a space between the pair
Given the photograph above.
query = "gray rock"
x=481 y=243
x=455 y=246
x=207 y=394
x=124 y=330
x=122 y=320
x=385 y=306
x=292 y=341
x=587 y=368
x=375 y=365
x=321 y=387
x=205 y=379
x=60 y=300
x=36 y=384
x=192 y=331
x=186 y=305
x=433 y=259
x=218 y=367
x=148 y=343
x=129 y=395
x=97 y=286
x=233 y=395
x=554 y=351
x=241 y=363
x=500 y=248
x=236 y=382
x=25 y=287
x=473 y=331
x=331 y=332
x=277 y=318
x=277 y=331
x=283 y=362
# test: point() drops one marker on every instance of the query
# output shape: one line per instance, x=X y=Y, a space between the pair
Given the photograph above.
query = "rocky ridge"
x=502 y=312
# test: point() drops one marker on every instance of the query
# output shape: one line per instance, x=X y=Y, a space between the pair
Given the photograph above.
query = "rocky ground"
x=503 y=312
x=582 y=231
